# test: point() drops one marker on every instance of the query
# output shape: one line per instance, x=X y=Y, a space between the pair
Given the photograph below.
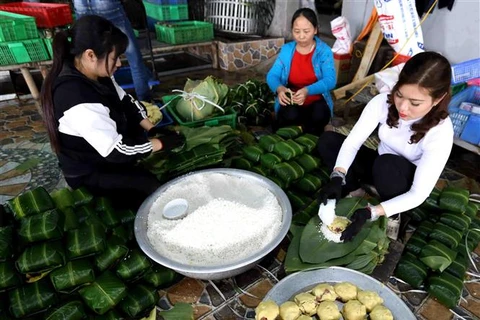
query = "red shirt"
x=302 y=74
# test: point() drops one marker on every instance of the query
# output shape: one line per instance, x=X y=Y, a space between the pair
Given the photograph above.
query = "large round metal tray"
x=228 y=269
x=299 y=282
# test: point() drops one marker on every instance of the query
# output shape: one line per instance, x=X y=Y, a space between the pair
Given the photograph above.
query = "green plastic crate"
x=227 y=119
x=14 y=27
x=24 y=51
x=49 y=46
x=166 y=13
x=184 y=32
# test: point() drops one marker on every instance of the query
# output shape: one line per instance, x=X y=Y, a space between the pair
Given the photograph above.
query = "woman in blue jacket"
x=302 y=77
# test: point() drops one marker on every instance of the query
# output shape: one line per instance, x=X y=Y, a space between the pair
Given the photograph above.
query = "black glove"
x=358 y=219
x=170 y=138
x=332 y=189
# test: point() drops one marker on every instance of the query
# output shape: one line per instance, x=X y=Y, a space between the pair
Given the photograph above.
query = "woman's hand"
x=156 y=145
x=282 y=96
x=300 y=96
x=146 y=124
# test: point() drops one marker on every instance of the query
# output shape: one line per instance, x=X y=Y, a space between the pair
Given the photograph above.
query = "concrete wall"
x=455 y=34
x=284 y=10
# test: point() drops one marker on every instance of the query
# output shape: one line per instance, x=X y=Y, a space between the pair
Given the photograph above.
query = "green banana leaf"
x=84 y=212
x=446 y=288
x=241 y=163
x=297 y=200
x=309 y=141
x=260 y=170
x=361 y=261
x=104 y=294
x=308 y=162
x=70 y=219
x=133 y=266
x=290 y=132
x=252 y=153
x=448 y=236
x=279 y=182
x=72 y=310
x=309 y=183
x=437 y=256
x=181 y=311
x=424 y=229
x=72 y=275
x=288 y=171
x=82 y=196
x=110 y=315
x=94 y=221
x=6 y=241
x=431 y=203
x=63 y=198
x=43 y=226
x=85 y=241
x=458 y=267
x=471 y=210
x=139 y=301
x=30 y=203
x=110 y=257
x=454 y=199
x=195 y=137
x=314 y=248
x=41 y=257
x=31 y=298
x=126 y=216
x=415 y=244
x=267 y=142
x=106 y=213
x=160 y=276
x=412 y=271
x=269 y=160
x=9 y=278
x=419 y=214
x=460 y=222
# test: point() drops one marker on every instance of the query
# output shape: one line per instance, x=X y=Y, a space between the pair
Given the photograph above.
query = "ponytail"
x=61 y=53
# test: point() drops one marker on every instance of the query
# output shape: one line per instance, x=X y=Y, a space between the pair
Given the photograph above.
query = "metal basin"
x=219 y=271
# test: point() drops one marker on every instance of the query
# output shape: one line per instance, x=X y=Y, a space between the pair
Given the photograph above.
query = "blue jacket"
x=323 y=66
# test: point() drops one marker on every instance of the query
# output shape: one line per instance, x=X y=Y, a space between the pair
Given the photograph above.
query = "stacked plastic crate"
x=46 y=16
x=170 y=28
x=464 y=107
x=19 y=40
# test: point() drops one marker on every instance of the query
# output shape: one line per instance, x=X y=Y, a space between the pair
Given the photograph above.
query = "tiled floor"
x=26 y=161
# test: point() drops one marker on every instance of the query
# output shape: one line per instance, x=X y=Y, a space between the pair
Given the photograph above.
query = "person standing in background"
x=113 y=11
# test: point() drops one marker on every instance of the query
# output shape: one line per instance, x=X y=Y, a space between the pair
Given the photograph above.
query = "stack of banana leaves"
x=68 y=255
x=252 y=101
x=287 y=158
x=204 y=147
x=436 y=257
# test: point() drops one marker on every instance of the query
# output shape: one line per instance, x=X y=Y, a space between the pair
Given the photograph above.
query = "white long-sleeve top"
x=430 y=154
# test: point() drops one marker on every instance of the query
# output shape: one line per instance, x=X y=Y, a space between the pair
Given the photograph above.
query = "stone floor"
x=26 y=161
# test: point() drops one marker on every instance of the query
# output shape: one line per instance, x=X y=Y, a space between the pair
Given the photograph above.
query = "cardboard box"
x=343 y=63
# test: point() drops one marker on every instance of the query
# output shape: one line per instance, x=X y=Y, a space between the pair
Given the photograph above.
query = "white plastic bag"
x=341 y=31
x=385 y=80
x=398 y=20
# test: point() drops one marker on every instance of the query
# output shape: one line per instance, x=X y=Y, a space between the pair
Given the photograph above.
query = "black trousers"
x=128 y=186
x=313 y=117
x=391 y=175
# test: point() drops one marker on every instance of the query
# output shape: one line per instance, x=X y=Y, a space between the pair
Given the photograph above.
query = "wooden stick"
x=371 y=49
x=341 y=92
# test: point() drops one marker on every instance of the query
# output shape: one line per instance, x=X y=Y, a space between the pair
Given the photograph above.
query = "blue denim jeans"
x=112 y=10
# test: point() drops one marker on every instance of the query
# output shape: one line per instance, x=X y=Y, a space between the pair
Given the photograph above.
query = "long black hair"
x=432 y=72
x=89 y=32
